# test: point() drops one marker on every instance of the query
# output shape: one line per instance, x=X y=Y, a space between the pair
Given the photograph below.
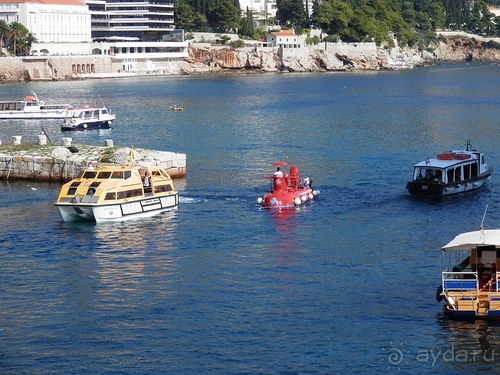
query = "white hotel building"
x=137 y=33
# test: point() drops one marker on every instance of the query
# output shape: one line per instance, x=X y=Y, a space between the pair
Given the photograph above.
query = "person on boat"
x=306 y=182
x=90 y=166
x=146 y=179
x=278 y=172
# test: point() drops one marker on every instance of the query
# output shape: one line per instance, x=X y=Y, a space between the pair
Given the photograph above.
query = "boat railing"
x=459 y=261
x=493 y=283
x=460 y=281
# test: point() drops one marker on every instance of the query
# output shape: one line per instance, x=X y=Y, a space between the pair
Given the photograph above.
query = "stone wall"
x=61 y=163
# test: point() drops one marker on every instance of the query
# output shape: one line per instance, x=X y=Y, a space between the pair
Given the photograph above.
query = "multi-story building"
x=263 y=9
x=140 y=20
x=50 y=21
x=136 y=34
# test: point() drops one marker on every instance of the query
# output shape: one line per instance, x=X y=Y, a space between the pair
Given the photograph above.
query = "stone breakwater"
x=62 y=163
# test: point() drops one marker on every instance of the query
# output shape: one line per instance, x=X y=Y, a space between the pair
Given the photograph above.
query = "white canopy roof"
x=468 y=240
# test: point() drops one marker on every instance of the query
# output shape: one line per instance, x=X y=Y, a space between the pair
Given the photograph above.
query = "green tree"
x=17 y=35
x=225 y=16
x=437 y=15
x=334 y=16
x=247 y=24
x=292 y=12
x=28 y=43
x=4 y=32
x=188 y=18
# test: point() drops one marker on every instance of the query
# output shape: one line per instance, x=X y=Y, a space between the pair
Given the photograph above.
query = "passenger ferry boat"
x=470 y=284
x=450 y=173
x=117 y=193
x=31 y=108
x=87 y=118
x=288 y=189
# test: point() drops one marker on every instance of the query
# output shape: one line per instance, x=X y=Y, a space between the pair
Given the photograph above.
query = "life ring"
x=446 y=156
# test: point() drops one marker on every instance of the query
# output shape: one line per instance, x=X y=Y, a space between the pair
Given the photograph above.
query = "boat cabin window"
x=72 y=188
x=89 y=174
x=9 y=106
x=127 y=174
x=162 y=188
x=428 y=174
x=129 y=193
x=450 y=173
x=117 y=174
x=104 y=175
x=110 y=196
x=474 y=170
x=467 y=171
x=458 y=174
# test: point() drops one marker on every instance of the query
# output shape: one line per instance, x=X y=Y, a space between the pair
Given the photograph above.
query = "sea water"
x=345 y=284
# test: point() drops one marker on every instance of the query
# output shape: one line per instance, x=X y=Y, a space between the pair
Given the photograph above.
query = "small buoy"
x=310 y=196
x=303 y=197
x=259 y=200
x=85 y=126
x=297 y=201
x=315 y=192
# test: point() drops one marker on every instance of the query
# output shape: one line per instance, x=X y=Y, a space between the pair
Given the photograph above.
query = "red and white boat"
x=288 y=189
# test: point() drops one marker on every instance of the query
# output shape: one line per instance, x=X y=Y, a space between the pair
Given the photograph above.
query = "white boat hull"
x=140 y=208
x=21 y=115
x=441 y=190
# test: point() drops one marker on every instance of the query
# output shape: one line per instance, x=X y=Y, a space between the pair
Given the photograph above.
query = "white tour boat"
x=87 y=118
x=470 y=279
x=117 y=193
x=31 y=108
x=450 y=173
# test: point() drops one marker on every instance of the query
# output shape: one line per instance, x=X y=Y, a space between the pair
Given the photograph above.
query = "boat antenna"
x=482 y=223
x=469 y=147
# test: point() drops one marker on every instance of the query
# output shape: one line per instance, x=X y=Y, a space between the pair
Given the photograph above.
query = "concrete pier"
x=42 y=162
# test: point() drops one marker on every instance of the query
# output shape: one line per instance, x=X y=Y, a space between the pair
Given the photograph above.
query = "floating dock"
x=63 y=162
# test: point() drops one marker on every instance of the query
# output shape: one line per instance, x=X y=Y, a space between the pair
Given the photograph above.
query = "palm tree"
x=28 y=42
x=17 y=33
x=4 y=30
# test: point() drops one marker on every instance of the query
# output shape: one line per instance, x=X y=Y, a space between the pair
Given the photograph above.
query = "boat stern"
x=421 y=188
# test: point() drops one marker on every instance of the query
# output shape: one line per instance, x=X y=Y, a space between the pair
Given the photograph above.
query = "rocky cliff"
x=204 y=58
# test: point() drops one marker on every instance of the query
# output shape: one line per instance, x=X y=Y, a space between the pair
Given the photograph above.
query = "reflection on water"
x=477 y=340
x=124 y=250
x=222 y=286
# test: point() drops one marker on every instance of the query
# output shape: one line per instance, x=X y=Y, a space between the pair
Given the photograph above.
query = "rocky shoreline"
x=338 y=57
x=206 y=58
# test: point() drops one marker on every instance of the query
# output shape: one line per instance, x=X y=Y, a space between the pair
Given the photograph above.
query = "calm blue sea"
x=344 y=285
